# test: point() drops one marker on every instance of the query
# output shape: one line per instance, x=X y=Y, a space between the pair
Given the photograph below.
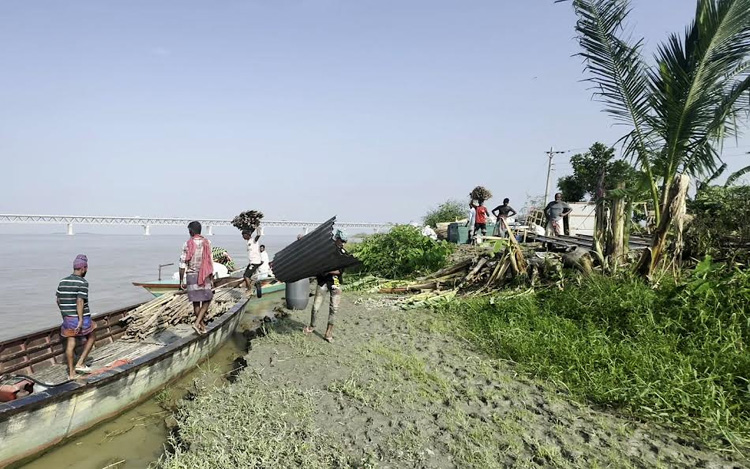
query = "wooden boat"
x=160 y=287
x=124 y=374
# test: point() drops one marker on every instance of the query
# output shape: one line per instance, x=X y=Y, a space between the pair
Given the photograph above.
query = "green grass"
x=677 y=354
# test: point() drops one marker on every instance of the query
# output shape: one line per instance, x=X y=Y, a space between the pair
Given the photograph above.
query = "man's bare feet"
x=308 y=330
x=329 y=333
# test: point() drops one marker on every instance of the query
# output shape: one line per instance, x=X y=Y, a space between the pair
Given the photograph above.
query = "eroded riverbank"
x=401 y=389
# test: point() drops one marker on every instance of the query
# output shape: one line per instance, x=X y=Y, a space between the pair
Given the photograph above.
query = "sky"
x=372 y=110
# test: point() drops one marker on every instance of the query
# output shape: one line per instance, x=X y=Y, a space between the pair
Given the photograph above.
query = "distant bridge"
x=147 y=222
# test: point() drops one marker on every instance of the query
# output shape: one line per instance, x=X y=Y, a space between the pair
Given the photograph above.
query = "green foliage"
x=401 y=252
x=448 y=211
x=679 y=109
x=720 y=226
x=587 y=170
x=677 y=354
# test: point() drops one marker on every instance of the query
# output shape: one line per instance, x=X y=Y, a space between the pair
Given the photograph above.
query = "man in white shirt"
x=253 y=255
x=264 y=271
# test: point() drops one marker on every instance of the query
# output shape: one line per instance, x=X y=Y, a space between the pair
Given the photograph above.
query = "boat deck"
x=119 y=352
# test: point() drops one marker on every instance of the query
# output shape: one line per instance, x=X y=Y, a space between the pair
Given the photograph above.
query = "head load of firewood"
x=480 y=194
x=247 y=221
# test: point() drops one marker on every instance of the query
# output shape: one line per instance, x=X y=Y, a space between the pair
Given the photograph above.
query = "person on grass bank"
x=196 y=274
x=502 y=213
x=328 y=282
x=73 y=301
x=480 y=221
x=471 y=218
x=555 y=211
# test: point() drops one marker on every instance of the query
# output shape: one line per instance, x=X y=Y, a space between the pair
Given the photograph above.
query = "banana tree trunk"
x=673 y=207
x=616 y=239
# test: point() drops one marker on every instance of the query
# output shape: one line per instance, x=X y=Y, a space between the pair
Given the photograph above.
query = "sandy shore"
x=402 y=389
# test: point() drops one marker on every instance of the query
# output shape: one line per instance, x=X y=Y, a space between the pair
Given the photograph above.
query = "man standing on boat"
x=197 y=263
x=73 y=301
x=328 y=282
x=253 y=255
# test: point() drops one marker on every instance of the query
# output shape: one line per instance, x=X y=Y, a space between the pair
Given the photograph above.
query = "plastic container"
x=298 y=294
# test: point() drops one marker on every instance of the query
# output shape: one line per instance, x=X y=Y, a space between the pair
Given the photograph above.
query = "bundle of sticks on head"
x=248 y=221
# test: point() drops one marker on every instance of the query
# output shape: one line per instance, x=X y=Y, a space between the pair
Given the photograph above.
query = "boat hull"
x=33 y=424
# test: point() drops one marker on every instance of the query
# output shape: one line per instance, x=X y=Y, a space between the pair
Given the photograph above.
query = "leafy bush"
x=677 y=354
x=720 y=226
x=448 y=211
x=401 y=252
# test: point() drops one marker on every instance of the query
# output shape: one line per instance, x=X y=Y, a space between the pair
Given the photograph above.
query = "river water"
x=32 y=265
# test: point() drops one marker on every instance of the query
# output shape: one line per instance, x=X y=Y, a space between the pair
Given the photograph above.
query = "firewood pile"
x=174 y=308
x=476 y=275
x=486 y=273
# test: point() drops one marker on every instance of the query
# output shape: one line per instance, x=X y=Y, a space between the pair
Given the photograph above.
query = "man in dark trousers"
x=328 y=282
x=480 y=223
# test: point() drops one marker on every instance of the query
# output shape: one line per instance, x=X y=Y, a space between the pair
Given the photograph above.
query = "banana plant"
x=677 y=110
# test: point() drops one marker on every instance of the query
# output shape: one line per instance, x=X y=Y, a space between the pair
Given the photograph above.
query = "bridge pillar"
x=210 y=230
x=70 y=229
x=305 y=230
x=376 y=229
x=146 y=230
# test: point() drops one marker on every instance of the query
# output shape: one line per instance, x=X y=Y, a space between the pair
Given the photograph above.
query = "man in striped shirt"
x=73 y=301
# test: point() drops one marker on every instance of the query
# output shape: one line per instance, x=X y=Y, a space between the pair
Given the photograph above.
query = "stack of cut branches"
x=248 y=220
x=470 y=276
x=174 y=308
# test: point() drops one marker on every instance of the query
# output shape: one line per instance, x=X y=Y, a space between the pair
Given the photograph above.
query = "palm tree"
x=678 y=110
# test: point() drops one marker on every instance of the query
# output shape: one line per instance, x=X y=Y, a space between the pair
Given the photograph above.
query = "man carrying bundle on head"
x=328 y=282
x=197 y=263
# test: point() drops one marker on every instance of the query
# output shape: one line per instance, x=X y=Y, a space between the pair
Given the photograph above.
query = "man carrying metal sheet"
x=329 y=282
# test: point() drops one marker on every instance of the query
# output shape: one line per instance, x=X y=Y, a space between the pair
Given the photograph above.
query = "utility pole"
x=550 y=154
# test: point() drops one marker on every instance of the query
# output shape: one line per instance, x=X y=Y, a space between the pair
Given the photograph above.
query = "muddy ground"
x=402 y=389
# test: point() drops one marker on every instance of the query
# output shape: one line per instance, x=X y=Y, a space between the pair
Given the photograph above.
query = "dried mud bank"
x=401 y=389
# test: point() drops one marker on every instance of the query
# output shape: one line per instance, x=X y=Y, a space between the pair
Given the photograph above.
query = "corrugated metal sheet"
x=315 y=253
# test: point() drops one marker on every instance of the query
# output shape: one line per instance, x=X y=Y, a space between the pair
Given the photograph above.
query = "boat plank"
x=103 y=356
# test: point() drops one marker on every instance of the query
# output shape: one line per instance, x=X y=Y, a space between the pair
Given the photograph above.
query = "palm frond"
x=736 y=175
x=697 y=86
x=618 y=72
x=703 y=184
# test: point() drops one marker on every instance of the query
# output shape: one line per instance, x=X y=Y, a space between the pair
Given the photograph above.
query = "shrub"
x=401 y=252
x=677 y=354
x=448 y=211
x=720 y=226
